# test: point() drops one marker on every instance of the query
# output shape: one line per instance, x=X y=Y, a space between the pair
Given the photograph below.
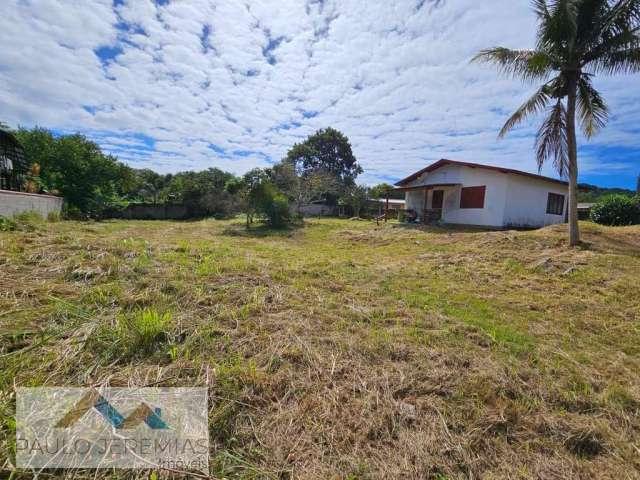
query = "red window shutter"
x=472 y=197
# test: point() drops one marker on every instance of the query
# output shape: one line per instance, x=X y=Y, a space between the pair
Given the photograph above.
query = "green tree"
x=356 y=197
x=261 y=198
x=76 y=168
x=203 y=193
x=303 y=189
x=382 y=189
x=576 y=40
x=327 y=151
x=151 y=186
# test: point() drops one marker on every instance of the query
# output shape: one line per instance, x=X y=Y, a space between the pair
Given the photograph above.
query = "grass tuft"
x=141 y=331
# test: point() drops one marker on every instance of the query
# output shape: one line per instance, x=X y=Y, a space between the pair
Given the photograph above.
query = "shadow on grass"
x=605 y=243
x=445 y=229
x=261 y=230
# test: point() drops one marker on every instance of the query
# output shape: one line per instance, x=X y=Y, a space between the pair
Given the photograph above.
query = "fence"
x=14 y=203
x=143 y=211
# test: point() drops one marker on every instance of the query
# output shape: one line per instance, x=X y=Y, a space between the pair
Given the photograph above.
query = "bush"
x=277 y=210
x=30 y=216
x=617 y=210
x=7 y=224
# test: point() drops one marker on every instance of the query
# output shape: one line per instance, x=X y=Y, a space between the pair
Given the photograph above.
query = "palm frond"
x=622 y=61
x=621 y=16
x=622 y=40
x=535 y=104
x=551 y=140
x=592 y=108
x=558 y=30
x=617 y=32
x=527 y=65
x=541 y=9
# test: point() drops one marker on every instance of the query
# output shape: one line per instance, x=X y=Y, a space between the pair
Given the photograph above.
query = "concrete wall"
x=13 y=203
x=527 y=202
x=315 y=210
x=152 y=212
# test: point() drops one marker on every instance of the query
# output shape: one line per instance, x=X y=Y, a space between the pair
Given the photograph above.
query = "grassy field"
x=342 y=349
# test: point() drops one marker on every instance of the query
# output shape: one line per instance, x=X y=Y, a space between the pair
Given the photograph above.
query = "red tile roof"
x=444 y=161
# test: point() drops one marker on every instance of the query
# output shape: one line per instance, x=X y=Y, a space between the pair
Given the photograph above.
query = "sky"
x=173 y=85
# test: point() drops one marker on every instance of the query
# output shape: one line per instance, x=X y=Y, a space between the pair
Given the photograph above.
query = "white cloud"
x=243 y=76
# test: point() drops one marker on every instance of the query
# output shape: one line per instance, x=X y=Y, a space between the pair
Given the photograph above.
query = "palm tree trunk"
x=574 y=232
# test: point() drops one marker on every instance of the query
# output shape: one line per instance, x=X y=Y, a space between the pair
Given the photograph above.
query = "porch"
x=428 y=201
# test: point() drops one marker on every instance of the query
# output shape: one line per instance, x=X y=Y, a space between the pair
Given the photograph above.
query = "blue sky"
x=175 y=85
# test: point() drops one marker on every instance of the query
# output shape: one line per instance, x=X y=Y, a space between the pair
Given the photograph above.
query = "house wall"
x=494 y=200
x=414 y=200
x=491 y=215
x=14 y=203
x=526 y=204
x=510 y=199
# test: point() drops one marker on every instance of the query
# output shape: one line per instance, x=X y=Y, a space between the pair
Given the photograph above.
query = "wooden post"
x=386 y=210
x=424 y=208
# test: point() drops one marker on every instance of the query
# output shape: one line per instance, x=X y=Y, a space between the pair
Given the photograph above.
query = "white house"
x=473 y=194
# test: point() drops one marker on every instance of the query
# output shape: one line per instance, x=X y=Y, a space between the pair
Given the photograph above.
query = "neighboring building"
x=13 y=165
x=584 y=210
x=13 y=171
x=465 y=193
x=378 y=206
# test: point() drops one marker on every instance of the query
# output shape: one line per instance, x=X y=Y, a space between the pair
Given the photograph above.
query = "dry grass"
x=345 y=350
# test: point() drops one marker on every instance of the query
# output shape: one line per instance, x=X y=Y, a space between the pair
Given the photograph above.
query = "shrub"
x=617 y=210
x=7 y=224
x=277 y=210
x=30 y=216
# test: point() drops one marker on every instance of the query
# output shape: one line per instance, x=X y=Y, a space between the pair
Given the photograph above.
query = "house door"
x=435 y=213
x=436 y=201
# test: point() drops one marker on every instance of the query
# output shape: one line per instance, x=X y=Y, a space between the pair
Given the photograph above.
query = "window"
x=555 y=204
x=472 y=197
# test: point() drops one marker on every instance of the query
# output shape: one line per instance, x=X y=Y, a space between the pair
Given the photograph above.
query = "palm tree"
x=576 y=40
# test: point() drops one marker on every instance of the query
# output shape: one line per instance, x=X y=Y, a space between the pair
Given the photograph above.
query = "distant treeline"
x=95 y=184
x=592 y=193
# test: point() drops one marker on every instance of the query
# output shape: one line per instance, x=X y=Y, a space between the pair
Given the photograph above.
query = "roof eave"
x=444 y=161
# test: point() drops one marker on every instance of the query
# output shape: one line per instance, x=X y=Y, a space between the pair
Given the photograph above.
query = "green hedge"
x=617 y=210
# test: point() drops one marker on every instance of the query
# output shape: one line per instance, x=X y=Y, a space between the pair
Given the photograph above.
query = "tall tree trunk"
x=574 y=232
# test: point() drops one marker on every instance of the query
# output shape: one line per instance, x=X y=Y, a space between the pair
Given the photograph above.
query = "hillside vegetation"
x=592 y=193
x=342 y=349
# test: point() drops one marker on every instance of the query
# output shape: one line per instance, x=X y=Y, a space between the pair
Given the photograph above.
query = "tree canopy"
x=327 y=150
x=77 y=169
